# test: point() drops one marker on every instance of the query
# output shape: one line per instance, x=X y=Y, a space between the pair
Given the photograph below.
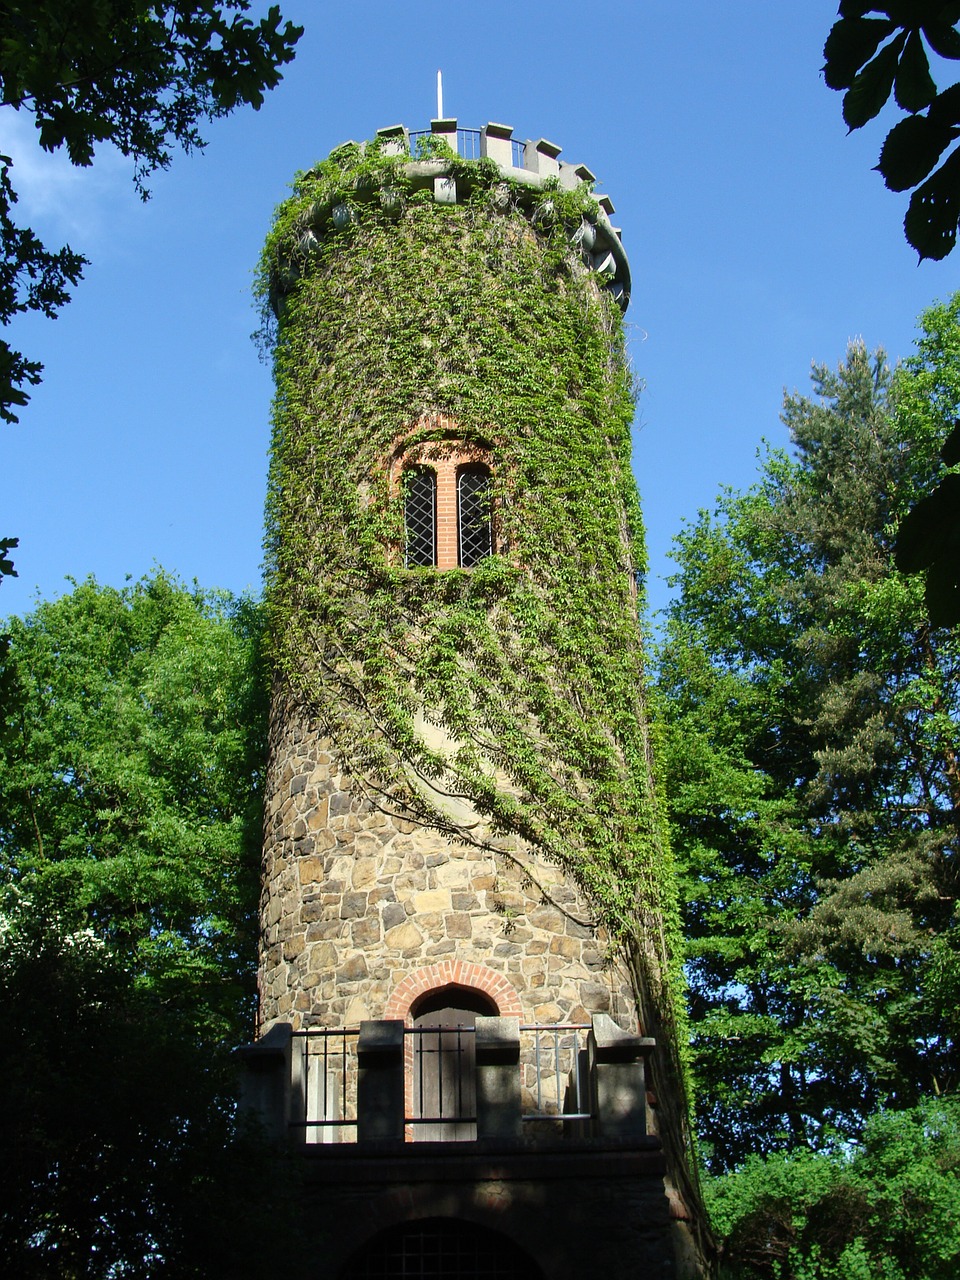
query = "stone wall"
x=360 y=906
x=578 y=1213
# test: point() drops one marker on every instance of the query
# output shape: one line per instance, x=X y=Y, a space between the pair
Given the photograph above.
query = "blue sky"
x=758 y=235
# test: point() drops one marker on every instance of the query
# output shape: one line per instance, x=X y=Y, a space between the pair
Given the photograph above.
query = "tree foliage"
x=929 y=402
x=887 y=1208
x=140 y=77
x=814 y=786
x=132 y=728
x=131 y=742
x=125 y=1156
x=871 y=58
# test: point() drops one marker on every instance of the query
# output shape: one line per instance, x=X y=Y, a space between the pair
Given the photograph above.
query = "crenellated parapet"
x=452 y=164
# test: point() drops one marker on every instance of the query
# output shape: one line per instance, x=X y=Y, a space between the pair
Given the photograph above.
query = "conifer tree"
x=814 y=784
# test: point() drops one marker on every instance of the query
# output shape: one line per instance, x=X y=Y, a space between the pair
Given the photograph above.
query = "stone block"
x=393 y=914
x=569 y=948
x=441 y=948
x=457 y=925
x=402 y=937
x=366 y=932
x=310 y=870
x=498 y=1077
x=364 y=873
x=432 y=900
x=380 y=1081
x=352 y=968
x=352 y=905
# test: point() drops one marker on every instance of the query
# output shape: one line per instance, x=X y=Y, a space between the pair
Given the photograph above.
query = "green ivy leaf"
x=851 y=43
x=912 y=149
x=931 y=221
x=914 y=88
x=872 y=87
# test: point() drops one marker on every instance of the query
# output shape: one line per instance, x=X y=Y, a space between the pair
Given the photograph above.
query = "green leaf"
x=950 y=452
x=872 y=87
x=945 y=108
x=927 y=531
x=931 y=221
x=912 y=148
x=942 y=595
x=942 y=39
x=914 y=87
x=6 y=564
x=851 y=43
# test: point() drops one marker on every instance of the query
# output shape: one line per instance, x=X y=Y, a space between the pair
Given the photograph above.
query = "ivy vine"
x=388 y=308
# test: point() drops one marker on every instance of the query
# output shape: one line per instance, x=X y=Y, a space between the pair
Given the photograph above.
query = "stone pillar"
x=619 y=1079
x=265 y=1080
x=447 y=130
x=495 y=144
x=394 y=140
x=498 y=1078
x=541 y=158
x=380 y=1081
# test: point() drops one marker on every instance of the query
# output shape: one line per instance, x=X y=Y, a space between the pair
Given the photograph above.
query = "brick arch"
x=477 y=977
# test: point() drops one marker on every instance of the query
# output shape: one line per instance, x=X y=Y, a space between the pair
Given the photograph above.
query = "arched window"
x=420 y=516
x=474 y=534
x=445 y=484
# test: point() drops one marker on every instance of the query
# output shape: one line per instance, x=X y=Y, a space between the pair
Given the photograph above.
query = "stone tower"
x=465 y=975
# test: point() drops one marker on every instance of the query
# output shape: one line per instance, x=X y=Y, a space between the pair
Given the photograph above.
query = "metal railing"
x=324 y=1085
x=559 y=1071
x=440 y=1069
x=444 y=1083
x=468 y=145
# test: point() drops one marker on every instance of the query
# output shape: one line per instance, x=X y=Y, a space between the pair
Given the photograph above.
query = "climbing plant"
x=392 y=313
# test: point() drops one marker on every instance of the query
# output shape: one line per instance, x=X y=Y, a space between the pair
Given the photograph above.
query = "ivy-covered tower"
x=467 y=977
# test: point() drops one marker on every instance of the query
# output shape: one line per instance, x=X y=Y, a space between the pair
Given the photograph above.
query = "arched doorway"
x=444 y=1063
x=441 y=1249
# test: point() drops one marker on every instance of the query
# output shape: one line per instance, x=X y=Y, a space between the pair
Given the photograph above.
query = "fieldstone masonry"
x=357 y=902
x=367 y=916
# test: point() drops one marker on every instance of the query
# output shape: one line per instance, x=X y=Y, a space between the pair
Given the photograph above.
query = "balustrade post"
x=266 y=1080
x=619 y=1079
x=498 y=1077
x=380 y=1081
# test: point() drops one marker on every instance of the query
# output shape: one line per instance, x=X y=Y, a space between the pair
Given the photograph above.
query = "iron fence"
x=324 y=1085
x=440 y=1074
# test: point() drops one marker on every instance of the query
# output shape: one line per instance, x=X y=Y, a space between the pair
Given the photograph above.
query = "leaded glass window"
x=474 y=533
x=420 y=516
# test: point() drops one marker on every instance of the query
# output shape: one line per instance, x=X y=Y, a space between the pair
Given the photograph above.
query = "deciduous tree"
x=871 y=58
x=131 y=741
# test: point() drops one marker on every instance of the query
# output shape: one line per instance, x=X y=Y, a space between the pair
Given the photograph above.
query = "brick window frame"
x=445 y=456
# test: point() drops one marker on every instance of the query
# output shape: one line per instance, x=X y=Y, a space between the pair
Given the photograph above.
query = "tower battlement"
x=440 y=160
